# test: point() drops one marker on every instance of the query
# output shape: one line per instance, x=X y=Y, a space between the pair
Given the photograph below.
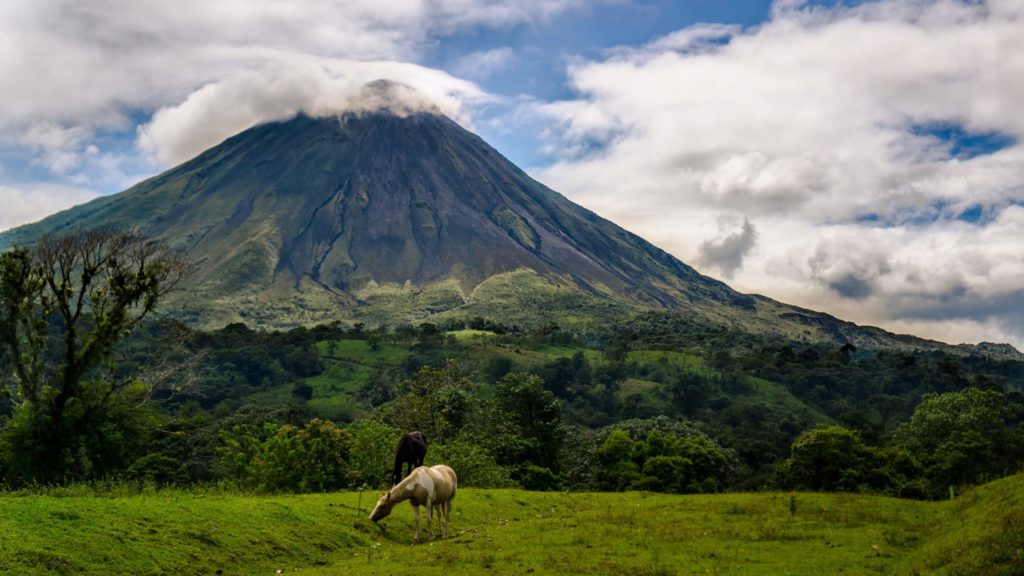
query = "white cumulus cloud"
x=283 y=89
x=484 y=63
x=38 y=200
x=829 y=126
x=191 y=71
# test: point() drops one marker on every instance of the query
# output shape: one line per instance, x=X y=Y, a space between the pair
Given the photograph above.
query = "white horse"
x=432 y=487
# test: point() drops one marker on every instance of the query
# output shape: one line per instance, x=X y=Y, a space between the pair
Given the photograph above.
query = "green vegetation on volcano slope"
x=516 y=532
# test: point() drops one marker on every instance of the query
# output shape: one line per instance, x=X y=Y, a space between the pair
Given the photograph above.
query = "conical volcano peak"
x=391 y=191
x=400 y=99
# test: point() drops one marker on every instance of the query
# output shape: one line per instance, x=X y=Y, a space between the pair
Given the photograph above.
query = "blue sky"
x=791 y=148
x=585 y=32
x=545 y=49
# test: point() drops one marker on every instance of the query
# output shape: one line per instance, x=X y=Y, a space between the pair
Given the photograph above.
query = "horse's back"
x=411 y=448
x=418 y=437
x=445 y=483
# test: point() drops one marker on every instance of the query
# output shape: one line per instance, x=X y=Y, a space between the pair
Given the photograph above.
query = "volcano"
x=405 y=216
x=343 y=203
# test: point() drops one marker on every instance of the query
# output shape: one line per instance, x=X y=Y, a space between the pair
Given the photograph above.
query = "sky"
x=862 y=158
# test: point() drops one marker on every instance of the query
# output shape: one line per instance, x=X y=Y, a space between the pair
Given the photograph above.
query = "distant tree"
x=558 y=376
x=358 y=331
x=963 y=437
x=835 y=459
x=474 y=464
x=826 y=459
x=616 y=456
x=534 y=418
x=689 y=393
x=438 y=401
x=64 y=304
x=669 y=457
x=497 y=367
x=616 y=351
x=581 y=367
x=373 y=445
x=302 y=391
x=303 y=360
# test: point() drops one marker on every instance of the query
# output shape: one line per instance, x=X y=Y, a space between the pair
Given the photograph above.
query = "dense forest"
x=643 y=405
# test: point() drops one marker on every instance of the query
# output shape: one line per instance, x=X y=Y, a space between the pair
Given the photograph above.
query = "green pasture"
x=77 y=531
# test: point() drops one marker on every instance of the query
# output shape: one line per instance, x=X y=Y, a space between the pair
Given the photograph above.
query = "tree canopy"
x=64 y=303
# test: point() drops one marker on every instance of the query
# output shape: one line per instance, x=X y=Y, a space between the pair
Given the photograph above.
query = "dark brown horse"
x=411 y=450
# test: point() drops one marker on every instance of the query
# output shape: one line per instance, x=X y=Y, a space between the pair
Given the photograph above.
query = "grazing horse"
x=432 y=487
x=411 y=450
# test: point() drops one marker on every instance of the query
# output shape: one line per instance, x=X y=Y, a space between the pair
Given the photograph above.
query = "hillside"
x=515 y=532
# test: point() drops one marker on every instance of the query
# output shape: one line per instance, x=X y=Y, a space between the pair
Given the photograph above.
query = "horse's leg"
x=430 y=519
x=416 y=509
x=447 y=517
x=440 y=519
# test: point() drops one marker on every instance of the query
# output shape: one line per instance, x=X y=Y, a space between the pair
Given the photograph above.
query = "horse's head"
x=383 y=507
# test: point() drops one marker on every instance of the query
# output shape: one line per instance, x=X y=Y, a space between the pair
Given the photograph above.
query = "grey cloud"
x=850 y=269
x=726 y=253
x=852 y=286
x=1005 y=310
x=960 y=302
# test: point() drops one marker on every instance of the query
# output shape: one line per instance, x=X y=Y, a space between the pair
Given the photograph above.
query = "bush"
x=287 y=459
x=533 y=477
x=108 y=435
x=373 y=445
x=662 y=462
x=472 y=464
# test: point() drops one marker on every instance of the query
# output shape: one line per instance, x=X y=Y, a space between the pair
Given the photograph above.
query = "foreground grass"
x=516 y=532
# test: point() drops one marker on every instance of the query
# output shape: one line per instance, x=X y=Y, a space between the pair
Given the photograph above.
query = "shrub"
x=287 y=459
x=472 y=464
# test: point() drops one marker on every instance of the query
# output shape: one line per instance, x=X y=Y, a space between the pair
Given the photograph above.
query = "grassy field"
x=516 y=532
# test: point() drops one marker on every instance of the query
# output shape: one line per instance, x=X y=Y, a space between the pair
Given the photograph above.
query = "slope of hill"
x=402 y=218
x=516 y=532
